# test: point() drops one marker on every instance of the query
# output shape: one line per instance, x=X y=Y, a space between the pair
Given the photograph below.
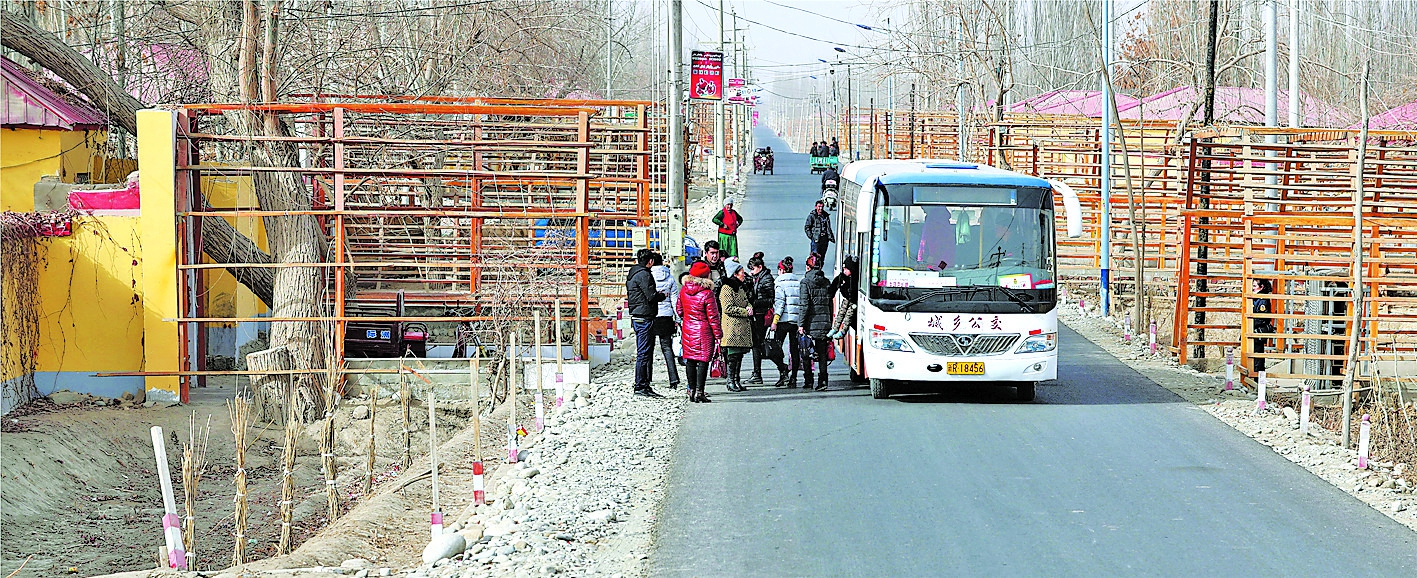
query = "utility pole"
x=960 y=94
x=609 y=43
x=890 y=91
x=1271 y=63
x=718 y=156
x=1203 y=235
x=1104 y=296
x=117 y=11
x=1294 y=63
x=676 y=109
x=850 y=117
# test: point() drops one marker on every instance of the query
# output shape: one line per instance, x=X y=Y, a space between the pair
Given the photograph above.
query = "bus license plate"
x=964 y=368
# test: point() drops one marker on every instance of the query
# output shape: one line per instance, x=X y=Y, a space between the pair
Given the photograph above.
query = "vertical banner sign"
x=736 y=88
x=706 y=75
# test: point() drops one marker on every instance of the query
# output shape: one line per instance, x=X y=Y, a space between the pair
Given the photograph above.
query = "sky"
x=784 y=33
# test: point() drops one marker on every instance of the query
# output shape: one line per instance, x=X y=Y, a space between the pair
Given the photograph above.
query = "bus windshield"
x=957 y=244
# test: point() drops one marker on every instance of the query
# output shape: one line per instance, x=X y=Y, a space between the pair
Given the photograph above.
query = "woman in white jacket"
x=787 y=316
x=665 y=321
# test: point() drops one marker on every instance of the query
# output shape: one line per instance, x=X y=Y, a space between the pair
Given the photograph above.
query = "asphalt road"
x=1105 y=474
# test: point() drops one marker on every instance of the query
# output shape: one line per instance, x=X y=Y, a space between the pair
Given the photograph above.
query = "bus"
x=959 y=274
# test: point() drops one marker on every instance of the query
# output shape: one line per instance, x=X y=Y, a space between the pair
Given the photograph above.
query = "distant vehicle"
x=820 y=164
x=762 y=162
x=958 y=274
x=387 y=339
x=829 y=194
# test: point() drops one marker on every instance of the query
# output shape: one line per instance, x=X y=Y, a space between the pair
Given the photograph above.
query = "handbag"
x=772 y=349
x=716 y=364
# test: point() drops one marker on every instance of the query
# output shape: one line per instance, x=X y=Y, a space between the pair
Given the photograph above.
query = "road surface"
x=1105 y=474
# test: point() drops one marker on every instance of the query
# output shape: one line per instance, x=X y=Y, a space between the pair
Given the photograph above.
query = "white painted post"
x=540 y=410
x=1260 y=399
x=171 y=525
x=512 y=397
x=1363 y=443
x=479 y=496
x=436 y=519
x=1153 y=337
x=1229 y=368
x=1127 y=331
x=560 y=374
x=1305 y=402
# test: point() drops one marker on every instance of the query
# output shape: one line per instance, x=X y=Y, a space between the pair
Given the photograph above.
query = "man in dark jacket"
x=816 y=317
x=644 y=301
x=834 y=149
x=819 y=229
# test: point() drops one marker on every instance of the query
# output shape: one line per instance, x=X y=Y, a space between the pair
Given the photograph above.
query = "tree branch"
x=49 y=51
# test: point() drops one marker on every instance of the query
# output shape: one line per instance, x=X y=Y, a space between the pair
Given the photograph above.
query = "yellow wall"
x=157 y=170
x=90 y=304
x=28 y=154
x=226 y=297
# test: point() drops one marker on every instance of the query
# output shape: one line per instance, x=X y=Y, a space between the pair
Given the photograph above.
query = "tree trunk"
x=220 y=240
x=49 y=51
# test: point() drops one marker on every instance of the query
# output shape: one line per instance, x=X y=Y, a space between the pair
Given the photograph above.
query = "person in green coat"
x=728 y=221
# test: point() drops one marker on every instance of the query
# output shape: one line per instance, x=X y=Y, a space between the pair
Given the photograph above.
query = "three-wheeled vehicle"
x=762 y=162
x=820 y=164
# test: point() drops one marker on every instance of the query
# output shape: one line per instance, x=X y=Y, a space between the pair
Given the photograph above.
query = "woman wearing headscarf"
x=761 y=283
x=845 y=283
x=735 y=300
x=700 y=328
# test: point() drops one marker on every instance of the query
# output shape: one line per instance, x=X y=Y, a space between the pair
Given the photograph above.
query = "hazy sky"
x=806 y=30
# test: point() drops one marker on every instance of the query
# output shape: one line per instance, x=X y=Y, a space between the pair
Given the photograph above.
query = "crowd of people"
x=825 y=149
x=723 y=311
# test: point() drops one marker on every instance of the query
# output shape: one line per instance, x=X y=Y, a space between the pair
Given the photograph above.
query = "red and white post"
x=540 y=410
x=1153 y=338
x=1305 y=402
x=1229 y=368
x=512 y=397
x=171 y=524
x=1263 y=382
x=479 y=497
x=1363 y=431
x=479 y=490
x=1127 y=331
x=560 y=375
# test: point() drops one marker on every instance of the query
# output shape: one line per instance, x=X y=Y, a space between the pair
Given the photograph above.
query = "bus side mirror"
x=1072 y=208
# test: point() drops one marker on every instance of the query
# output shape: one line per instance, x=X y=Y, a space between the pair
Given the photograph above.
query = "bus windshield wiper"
x=938 y=293
x=1018 y=298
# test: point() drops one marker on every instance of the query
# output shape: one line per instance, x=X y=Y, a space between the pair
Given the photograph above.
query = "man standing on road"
x=713 y=257
x=728 y=221
x=816 y=319
x=644 y=301
x=819 y=230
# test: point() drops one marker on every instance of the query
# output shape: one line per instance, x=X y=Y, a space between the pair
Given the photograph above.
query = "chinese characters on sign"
x=706 y=75
x=938 y=322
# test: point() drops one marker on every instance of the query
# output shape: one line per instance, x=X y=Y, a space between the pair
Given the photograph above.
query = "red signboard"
x=706 y=75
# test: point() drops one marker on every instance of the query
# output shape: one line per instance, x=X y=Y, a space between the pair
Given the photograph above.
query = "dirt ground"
x=81 y=496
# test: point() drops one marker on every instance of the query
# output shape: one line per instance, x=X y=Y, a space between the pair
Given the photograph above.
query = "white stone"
x=356 y=564
x=601 y=516
x=360 y=412
x=444 y=546
x=502 y=528
x=529 y=473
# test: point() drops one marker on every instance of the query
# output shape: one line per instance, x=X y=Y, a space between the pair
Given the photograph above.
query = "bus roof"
x=936 y=172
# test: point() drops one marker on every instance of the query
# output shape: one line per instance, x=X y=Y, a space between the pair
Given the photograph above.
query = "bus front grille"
x=965 y=344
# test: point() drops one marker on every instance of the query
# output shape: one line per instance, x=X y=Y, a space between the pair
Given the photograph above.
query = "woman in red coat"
x=701 y=329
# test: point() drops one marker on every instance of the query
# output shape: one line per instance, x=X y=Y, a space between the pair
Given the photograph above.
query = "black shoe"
x=781 y=379
x=822 y=386
x=652 y=393
x=756 y=378
x=645 y=393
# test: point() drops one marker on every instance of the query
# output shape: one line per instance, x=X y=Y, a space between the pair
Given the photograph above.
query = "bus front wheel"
x=1026 y=391
x=878 y=389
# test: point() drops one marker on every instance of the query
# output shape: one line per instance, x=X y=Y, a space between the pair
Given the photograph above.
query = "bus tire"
x=878 y=389
x=1026 y=391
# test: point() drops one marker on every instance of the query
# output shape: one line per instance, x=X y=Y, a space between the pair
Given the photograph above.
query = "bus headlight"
x=1038 y=343
x=886 y=341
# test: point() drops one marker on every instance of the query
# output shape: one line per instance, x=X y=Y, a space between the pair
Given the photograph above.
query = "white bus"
x=958 y=274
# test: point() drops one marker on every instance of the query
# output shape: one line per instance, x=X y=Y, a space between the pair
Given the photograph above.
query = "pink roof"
x=1400 y=118
x=30 y=104
x=1075 y=102
x=1235 y=104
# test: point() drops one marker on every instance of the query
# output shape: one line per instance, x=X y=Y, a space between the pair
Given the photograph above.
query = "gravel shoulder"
x=1385 y=486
